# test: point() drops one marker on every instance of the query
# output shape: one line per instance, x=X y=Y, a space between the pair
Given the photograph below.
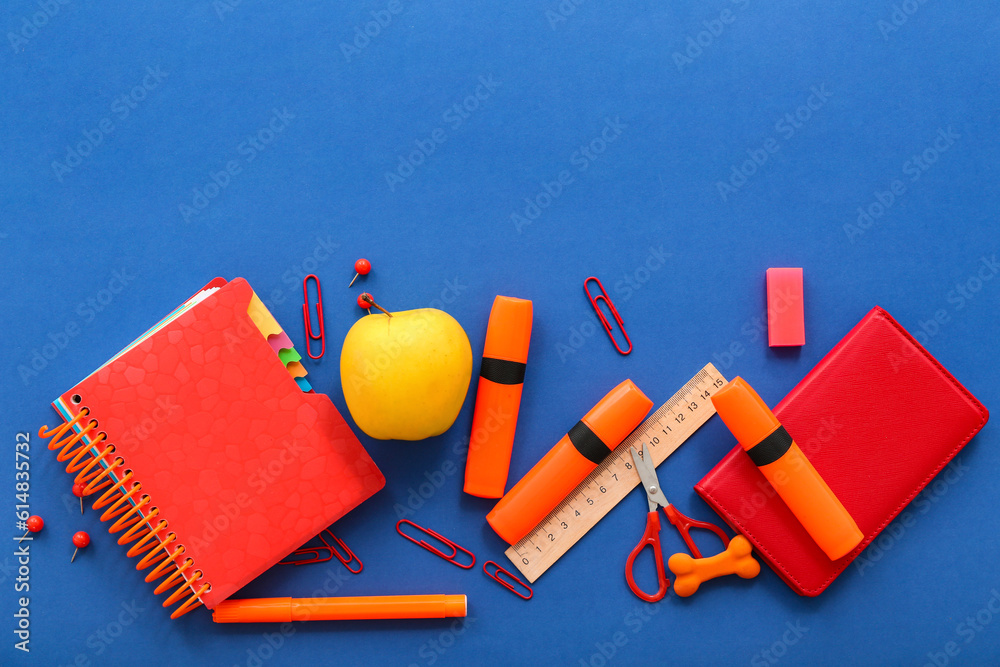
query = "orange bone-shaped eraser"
x=692 y=572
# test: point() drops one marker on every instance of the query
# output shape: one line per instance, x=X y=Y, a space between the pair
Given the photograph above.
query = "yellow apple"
x=405 y=377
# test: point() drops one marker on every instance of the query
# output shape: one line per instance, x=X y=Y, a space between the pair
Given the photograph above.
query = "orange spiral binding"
x=127 y=505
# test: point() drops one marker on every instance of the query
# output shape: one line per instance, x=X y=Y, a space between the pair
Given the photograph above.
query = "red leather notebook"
x=236 y=465
x=878 y=417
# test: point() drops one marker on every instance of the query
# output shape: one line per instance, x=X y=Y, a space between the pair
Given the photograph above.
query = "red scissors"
x=651 y=538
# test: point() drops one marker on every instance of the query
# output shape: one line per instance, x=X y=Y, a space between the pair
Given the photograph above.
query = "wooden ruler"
x=664 y=431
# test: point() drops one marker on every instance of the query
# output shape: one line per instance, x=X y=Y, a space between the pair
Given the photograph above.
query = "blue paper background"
x=695 y=90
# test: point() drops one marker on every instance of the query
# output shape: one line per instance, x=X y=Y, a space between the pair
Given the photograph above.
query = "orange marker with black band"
x=498 y=397
x=568 y=463
x=788 y=470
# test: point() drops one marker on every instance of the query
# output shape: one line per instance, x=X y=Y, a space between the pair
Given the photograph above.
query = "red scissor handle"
x=651 y=538
x=684 y=524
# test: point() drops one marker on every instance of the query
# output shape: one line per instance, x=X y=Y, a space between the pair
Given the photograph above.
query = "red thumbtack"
x=366 y=301
x=80 y=540
x=362 y=266
x=33 y=524
x=78 y=490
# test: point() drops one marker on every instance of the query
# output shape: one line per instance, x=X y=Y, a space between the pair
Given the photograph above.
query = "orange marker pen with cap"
x=788 y=470
x=498 y=397
x=569 y=462
x=286 y=610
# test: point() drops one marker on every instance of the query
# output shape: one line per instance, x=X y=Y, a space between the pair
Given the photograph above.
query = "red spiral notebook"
x=205 y=447
x=878 y=417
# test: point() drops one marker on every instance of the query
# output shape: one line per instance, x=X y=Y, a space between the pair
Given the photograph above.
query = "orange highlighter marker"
x=569 y=462
x=498 y=397
x=788 y=470
x=286 y=610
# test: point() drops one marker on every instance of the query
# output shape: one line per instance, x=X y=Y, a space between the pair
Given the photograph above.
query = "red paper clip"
x=603 y=296
x=347 y=558
x=434 y=550
x=509 y=585
x=310 y=335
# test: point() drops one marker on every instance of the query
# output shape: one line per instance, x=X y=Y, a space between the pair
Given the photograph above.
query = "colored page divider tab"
x=263 y=318
x=280 y=342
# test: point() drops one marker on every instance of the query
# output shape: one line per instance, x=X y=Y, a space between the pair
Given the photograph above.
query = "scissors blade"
x=647 y=473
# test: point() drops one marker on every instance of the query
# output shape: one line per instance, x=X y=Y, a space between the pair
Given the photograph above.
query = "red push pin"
x=362 y=266
x=80 y=540
x=366 y=301
x=33 y=524
x=78 y=491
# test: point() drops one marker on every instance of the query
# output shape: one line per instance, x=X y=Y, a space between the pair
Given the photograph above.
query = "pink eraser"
x=785 y=314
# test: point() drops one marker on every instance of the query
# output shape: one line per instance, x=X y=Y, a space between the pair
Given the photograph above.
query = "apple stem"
x=368 y=299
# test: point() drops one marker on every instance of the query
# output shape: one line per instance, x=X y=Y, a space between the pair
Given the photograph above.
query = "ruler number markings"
x=613 y=479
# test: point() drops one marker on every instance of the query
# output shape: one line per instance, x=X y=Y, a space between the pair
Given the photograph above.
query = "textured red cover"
x=243 y=465
x=878 y=417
